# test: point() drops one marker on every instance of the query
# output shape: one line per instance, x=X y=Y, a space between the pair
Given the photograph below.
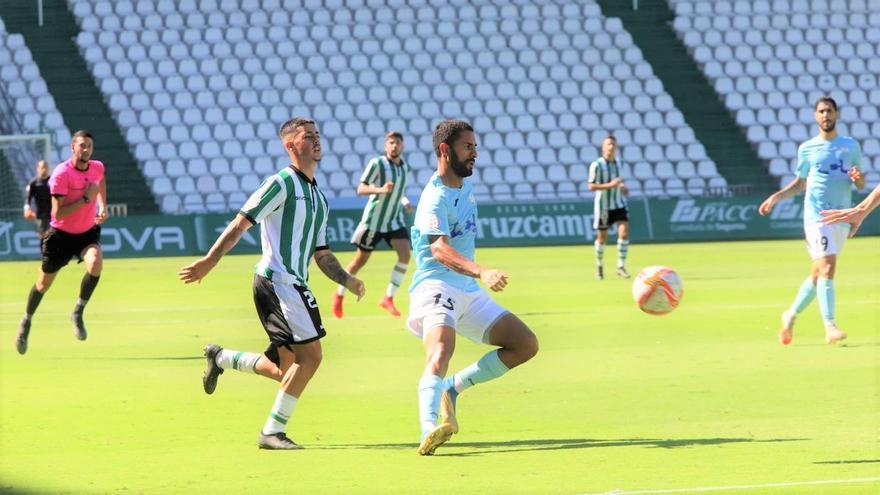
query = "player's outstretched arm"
x=853 y=216
x=199 y=269
x=329 y=265
x=793 y=188
x=444 y=253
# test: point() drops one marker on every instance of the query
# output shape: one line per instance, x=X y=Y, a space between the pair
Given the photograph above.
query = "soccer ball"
x=657 y=290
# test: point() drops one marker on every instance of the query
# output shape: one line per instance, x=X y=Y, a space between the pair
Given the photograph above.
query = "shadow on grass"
x=144 y=358
x=6 y=489
x=860 y=461
x=480 y=448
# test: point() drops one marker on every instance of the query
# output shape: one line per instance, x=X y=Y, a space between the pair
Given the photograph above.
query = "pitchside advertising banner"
x=522 y=224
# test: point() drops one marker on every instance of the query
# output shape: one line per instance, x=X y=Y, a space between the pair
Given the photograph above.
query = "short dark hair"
x=292 y=125
x=395 y=135
x=609 y=136
x=448 y=131
x=81 y=133
x=825 y=99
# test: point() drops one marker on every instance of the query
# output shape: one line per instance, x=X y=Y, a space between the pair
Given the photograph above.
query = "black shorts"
x=367 y=240
x=606 y=218
x=289 y=314
x=59 y=247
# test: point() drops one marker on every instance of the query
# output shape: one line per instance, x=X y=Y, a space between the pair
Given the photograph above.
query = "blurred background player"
x=827 y=167
x=853 y=216
x=609 y=206
x=445 y=298
x=384 y=180
x=293 y=214
x=79 y=206
x=37 y=194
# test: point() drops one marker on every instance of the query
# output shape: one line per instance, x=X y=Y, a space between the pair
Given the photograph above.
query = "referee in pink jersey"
x=79 y=207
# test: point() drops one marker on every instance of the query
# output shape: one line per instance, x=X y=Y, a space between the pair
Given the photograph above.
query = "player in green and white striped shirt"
x=384 y=180
x=609 y=207
x=293 y=214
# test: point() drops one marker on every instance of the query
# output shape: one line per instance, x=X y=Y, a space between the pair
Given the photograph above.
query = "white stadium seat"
x=224 y=78
x=785 y=58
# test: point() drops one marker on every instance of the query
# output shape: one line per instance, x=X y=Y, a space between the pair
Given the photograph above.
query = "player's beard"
x=828 y=127
x=459 y=166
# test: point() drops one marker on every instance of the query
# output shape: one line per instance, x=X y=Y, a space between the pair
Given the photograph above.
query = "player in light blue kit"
x=444 y=296
x=827 y=167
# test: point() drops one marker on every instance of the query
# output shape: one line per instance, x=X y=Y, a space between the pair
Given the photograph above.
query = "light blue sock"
x=429 y=402
x=805 y=296
x=825 y=291
x=489 y=367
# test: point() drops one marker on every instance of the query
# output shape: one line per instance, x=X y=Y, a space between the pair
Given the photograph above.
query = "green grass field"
x=616 y=400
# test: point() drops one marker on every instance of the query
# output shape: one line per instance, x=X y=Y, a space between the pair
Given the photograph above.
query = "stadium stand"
x=30 y=107
x=770 y=60
x=198 y=89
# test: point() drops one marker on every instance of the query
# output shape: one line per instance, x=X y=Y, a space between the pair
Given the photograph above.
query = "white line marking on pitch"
x=737 y=487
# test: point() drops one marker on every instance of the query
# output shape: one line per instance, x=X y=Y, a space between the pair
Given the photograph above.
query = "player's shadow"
x=482 y=448
x=148 y=358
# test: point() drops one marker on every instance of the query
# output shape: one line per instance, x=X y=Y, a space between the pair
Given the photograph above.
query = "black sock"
x=89 y=282
x=33 y=301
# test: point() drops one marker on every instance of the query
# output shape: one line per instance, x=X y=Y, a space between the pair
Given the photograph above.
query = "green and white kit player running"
x=444 y=296
x=827 y=167
x=292 y=213
x=384 y=180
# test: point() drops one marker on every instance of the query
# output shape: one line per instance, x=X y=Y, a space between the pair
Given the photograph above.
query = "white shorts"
x=825 y=240
x=435 y=303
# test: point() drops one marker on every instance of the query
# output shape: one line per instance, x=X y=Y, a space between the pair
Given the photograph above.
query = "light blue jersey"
x=825 y=165
x=444 y=211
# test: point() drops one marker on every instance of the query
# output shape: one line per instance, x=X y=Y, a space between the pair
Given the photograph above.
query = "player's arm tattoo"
x=444 y=253
x=793 y=188
x=229 y=238
x=329 y=265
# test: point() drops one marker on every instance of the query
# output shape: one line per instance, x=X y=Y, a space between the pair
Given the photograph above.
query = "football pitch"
x=616 y=401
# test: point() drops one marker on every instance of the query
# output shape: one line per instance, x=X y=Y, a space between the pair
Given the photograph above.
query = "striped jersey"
x=384 y=212
x=292 y=213
x=603 y=172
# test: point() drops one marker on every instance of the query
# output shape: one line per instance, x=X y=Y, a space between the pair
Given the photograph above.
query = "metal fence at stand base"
x=521 y=224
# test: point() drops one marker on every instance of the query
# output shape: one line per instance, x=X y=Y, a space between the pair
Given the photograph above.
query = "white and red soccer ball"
x=657 y=290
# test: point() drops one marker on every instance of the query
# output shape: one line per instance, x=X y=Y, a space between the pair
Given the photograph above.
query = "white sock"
x=600 y=252
x=622 y=249
x=282 y=409
x=241 y=361
x=340 y=290
x=397 y=274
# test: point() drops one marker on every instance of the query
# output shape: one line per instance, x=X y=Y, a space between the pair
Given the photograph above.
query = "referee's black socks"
x=86 y=288
x=33 y=301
